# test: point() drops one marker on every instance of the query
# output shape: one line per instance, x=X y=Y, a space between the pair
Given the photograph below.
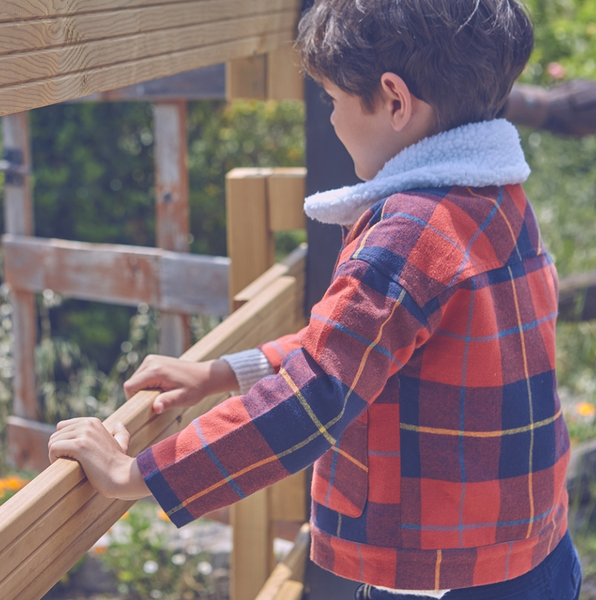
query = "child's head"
x=461 y=57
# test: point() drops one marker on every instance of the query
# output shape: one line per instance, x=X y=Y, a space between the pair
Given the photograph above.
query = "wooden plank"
x=284 y=76
x=79 y=29
x=18 y=217
x=118 y=274
x=14 y=10
x=247 y=78
x=252 y=535
x=286 y=580
x=52 y=521
x=251 y=245
x=75 y=85
x=285 y=192
x=288 y=498
x=46 y=64
x=172 y=222
x=292 y=265
x=28 y=443
x=23 y=10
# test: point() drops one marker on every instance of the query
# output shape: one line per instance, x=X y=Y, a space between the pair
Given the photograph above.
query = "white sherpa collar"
x=475 y=155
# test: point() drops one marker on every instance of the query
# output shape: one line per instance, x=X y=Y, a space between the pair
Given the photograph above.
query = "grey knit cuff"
x=249 y=367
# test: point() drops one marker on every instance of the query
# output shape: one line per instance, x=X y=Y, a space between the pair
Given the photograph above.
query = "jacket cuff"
x=249 y=367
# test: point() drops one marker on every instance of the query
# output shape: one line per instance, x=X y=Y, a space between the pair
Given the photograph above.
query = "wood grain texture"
x=59 y=89
x=53 y=62
x=68 y=50
x=288 y=499
x=49 y=524
x=176 y=282
x=250 y=241
x=284 y=76
x=286 y=580
x=252 y=541
x=172 y=210
x=247 y=78
x=80 y=28
x=286 y=193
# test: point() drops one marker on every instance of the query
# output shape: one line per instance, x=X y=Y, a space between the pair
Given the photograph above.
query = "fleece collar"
x=474 y=155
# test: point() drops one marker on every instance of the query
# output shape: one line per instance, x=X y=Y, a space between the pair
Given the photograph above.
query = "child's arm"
x=183 y=383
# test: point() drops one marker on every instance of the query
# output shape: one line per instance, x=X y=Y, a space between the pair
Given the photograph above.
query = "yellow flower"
x=162 y=515
x=125 y=515
x=585 y=409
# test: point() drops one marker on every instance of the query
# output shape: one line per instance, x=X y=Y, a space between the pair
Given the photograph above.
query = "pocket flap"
x=340 y=479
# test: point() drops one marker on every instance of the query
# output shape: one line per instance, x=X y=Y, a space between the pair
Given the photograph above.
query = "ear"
x=397 y=100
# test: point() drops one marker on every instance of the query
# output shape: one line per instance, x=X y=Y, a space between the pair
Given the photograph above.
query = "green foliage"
x=146 y=566
x=565 y=33
x=94 y=181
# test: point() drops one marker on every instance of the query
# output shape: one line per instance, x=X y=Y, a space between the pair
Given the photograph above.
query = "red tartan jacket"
x=424 y=391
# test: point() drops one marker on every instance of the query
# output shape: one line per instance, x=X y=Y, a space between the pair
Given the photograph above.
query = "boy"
x=423 y=388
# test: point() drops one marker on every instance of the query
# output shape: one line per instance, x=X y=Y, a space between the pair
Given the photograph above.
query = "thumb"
x=168 y=400
x=122 y=436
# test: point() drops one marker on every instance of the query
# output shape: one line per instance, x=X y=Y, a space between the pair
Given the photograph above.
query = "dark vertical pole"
x=328 y=166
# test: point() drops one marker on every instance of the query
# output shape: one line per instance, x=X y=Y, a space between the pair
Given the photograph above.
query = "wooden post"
x=172 y=222
x=247 y=78
x=284 y=77
x=272 y=76
x=18 y=214
x=251 y=245
x=252 y=556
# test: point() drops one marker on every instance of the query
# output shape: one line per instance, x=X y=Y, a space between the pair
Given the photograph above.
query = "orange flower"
x=14 y=483
x=125 y=515
x=585 y=409
x=162 y=515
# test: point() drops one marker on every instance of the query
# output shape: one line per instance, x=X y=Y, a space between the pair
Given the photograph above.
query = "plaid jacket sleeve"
x=361 y=333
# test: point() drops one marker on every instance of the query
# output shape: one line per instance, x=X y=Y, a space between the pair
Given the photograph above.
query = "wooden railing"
x=51 y=523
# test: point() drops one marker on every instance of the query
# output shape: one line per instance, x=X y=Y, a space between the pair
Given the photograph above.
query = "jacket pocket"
x=340 y=479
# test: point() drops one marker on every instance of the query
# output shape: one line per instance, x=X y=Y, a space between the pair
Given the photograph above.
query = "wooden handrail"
x=47 y=526
x=286 y=582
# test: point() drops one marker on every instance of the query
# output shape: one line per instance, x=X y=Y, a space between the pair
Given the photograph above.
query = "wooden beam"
x=16 y=10
x=172 y=219
x=49 y=58
x=81 y=28
x=77 y=52
x=49 y=524
x=284 y=76
x=175 y=282
x=246 y=78
x=286 y=581
x=18 y=217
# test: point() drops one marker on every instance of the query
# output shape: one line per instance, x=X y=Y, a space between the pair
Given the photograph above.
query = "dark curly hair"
x=459 y=56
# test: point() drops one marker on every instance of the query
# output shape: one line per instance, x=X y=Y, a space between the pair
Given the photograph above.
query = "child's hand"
x=102 y=455
x=183 y=383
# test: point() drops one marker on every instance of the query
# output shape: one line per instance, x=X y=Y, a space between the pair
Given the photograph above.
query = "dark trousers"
x=557 y=577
